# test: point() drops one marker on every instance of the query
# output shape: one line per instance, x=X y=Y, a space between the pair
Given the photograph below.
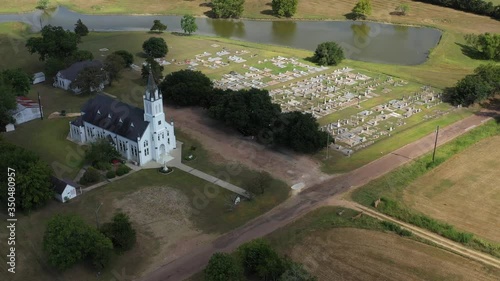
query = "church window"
x=159 y=122
x=162 y=135
x=158 y=137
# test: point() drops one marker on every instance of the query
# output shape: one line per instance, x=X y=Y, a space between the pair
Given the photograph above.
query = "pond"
x=364 y=41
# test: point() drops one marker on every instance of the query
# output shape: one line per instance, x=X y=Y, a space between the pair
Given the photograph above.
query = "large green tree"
x=227 y=8
x=90 y=79
x=7 y=103
x=69 y=240
x=328 y=53
x=248 y=111
x=55 y=42
x=300 y=132
x=188 y=24
x=33 y=177
x=113 y=65
x=260 y=259
x=186 y=87
x=121 y=232
x=362 y=9
x=127 y=56
x=18 y=79
x=154 y=67
x=223 y=267
x=158 y=26
x=284 y=8
x=80 y=55
x=155 y=47
x=81 y=29
x=487 y=44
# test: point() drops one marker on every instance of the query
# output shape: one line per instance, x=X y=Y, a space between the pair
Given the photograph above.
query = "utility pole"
x=96 y=216
x=40 y=106
x=435 y=144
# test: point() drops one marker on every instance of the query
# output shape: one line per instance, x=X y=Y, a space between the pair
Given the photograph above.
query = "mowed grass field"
x=337 y=247
x=464 y=191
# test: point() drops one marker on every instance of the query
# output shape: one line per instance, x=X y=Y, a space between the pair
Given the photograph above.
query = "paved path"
x=309 y=199
x=177 y=162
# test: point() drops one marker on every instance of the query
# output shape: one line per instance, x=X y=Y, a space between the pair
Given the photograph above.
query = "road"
x=309 y=199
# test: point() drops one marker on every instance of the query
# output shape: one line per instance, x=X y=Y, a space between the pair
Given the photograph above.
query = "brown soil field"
x=420 y=13
x=355 y=254
x=464 y=191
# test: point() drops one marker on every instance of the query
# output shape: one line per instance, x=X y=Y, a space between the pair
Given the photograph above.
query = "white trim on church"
x=139 y=139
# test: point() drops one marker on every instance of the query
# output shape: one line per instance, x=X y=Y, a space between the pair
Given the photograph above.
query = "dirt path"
x=309 y=199
x=228 y=145
x=439 y=240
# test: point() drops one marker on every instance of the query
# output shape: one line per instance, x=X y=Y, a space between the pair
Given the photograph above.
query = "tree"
x=157 y=25
x=81 y=29
x=90 y=176
x=362 y=9
x=188 y=24
x=18 y=79
x=300 y=132
x=53 y=65
x=258 y=258
x=403 y=9
x=33 y=177
x=284 y=8
x=484 y=83
x=227 y=8
x=296 y=272
x=42 y=4
x=328 y=53
x=90 y=79
x=186 y=87
x=249 y=111
x=487 y=44
x=120 y=231
x=260 y=182
x=54 y=43
x=155 y=47
x=113 y=64
x=80 y=55
x=101 y=151
x=223 y=267
x=127 y=57
x=69 y=240
x=7 y=103
x=154 y=67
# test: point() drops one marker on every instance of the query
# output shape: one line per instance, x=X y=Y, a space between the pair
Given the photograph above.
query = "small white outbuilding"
x=38 y=77
x=64 y=190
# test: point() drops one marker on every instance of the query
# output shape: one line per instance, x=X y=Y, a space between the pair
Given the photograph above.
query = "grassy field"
x=165 y=210
x=336 y=247
x=464 y=191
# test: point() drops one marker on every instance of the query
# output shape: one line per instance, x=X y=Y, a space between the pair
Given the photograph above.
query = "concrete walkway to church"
x=177 y=162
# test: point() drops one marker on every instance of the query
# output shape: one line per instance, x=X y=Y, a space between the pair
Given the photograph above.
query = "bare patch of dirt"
x=228 y=145
x=357 y=254
x=162 y=217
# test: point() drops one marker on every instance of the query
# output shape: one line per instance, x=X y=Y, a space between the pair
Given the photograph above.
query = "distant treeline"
x=479 y=7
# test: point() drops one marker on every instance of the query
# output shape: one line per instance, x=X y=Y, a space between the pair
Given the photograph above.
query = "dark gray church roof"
x=71 y=72
x=114 y=116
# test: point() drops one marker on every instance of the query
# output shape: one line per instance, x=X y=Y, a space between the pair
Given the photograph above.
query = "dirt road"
x=309 y=199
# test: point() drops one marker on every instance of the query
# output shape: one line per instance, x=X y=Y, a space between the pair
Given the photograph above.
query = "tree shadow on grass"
x=141 y=55
x=354 y=16
x=179 y=33
x=267 y=12
x=207 y=4
x=396 y=13
x=470 y=52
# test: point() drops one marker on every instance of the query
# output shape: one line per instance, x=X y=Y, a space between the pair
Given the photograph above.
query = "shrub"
x=223 y=267
x=90 y=176
x=120 y=231
x=110 y=174
x=103 y=166
x=328 y=53
x=122 y=170
x=63 y=112
x=395 y=228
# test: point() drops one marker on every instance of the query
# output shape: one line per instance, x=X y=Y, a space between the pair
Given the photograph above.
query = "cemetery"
x=369 y=106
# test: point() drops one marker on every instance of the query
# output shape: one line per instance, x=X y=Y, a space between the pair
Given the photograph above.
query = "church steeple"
x=151 y=89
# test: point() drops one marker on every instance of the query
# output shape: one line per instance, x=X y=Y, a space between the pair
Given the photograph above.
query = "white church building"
x=140 y=135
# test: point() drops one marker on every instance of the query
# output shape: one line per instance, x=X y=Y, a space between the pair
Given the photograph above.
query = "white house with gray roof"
x=140 y=135
x=66 y=77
